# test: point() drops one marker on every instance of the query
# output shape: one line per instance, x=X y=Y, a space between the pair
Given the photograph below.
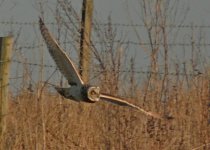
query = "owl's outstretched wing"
x=63 y=62
x=122 y=102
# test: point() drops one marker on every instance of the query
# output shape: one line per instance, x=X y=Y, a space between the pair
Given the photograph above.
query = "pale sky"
x=26 y=9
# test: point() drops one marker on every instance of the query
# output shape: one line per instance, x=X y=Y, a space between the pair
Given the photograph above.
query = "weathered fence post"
x=84 y=66
x=5 y=56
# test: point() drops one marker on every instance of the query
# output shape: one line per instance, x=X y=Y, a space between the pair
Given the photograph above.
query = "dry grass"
x=51 y=122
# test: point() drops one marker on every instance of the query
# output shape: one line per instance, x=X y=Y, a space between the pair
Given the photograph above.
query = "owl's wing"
x=63 y=62
x=122 y=102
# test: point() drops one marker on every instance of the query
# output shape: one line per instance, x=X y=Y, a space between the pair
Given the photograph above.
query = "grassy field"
x=45 y=120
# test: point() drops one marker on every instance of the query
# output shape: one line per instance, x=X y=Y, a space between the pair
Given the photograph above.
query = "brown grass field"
x=45 y=120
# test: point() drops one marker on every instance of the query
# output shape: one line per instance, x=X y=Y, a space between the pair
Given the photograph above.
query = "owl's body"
x=73 y=92
x=83 y=93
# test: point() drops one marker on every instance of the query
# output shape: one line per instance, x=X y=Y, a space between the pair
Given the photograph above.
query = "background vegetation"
x=39 y=118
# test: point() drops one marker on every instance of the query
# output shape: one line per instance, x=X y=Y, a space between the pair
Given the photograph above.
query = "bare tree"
x=157 y=17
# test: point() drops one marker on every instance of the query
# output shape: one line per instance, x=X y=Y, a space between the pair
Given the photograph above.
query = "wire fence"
x=194 y=26
x=34 y=64
x=123 y=43
x=36 y=45
x=196 y=72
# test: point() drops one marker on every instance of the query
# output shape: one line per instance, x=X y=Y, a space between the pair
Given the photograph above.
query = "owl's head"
x=93 y=93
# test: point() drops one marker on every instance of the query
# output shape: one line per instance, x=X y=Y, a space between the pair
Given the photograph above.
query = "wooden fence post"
x=85 y=53
x=5 y=56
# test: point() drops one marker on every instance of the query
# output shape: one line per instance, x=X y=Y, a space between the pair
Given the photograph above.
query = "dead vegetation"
x=51 y=122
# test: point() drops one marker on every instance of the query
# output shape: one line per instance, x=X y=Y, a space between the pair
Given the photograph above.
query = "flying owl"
x=78 y=90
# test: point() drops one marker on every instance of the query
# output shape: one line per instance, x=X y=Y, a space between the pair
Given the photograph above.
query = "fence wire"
x=119 y=71
x=194 y=26
x=122 y=43
x=37 y=45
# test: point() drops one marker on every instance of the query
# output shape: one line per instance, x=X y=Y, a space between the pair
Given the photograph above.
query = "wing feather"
x=63 y=62
x=122 y=102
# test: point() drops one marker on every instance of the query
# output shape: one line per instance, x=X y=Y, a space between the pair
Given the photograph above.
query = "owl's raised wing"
x=122 y=102
x=63 y=62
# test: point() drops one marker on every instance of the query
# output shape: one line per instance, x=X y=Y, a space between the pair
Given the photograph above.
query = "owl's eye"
x=93 y=92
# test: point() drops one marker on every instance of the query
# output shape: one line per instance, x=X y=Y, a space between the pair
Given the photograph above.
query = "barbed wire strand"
x=121 y=71
x=15 y=78
x=32 y=23
x=27 y=46
x=34 y=64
